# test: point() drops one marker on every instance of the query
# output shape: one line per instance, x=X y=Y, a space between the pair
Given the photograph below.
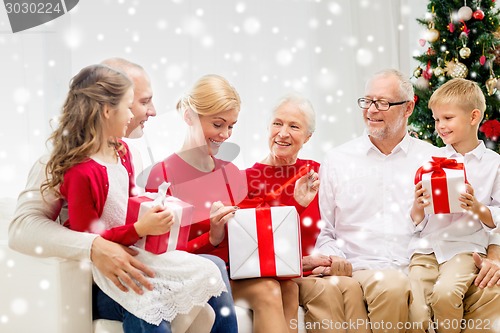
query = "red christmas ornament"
x=427 y=74
x=415 y=99
x=491 y=129
x=464 y=28
x=482 y=60
x=451 y=27
x=478 y=14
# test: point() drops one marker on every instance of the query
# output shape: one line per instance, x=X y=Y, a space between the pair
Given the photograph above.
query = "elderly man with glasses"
x=365 y=195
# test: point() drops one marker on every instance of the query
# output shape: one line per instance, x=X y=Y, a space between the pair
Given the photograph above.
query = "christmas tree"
x=462 y=40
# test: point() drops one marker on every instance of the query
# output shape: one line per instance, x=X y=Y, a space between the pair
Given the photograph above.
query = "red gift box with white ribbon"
x=444 y=179
x=177 y=237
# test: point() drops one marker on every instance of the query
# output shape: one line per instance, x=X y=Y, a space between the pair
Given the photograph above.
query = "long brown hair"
x=79 y=133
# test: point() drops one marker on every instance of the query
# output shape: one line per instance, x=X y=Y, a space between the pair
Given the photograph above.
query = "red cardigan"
x=85 y=188
x=264 y=178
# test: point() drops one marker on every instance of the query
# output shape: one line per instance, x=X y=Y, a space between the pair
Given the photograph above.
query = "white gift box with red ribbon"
x=444 y=179
x=177 y=237
x=265 y=242
x=448 y=199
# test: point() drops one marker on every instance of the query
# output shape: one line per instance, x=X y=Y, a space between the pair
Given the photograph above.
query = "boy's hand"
x=470 y=204
x=469 y=201
x=419 y=203
x=157 y=221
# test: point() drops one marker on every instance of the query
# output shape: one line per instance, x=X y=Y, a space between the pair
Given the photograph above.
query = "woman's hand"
x=219 y=215
x=311 y=262
x=306 y=188
x=156 y=221
x=339 y=267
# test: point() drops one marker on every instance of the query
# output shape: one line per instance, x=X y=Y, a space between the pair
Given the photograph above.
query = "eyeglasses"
x=381 y=104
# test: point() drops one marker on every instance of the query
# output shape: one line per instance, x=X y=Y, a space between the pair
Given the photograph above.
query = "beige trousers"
x=332 y=304
x=387 y=294
x=482 y=310
x=438 y=291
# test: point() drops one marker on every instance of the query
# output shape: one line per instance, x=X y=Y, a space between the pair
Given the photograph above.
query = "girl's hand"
x=219 y=215
x=421 y=200
x=157 y=221
x=306 y=188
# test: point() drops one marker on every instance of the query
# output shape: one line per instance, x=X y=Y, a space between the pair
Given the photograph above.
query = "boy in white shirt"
x=445 y=246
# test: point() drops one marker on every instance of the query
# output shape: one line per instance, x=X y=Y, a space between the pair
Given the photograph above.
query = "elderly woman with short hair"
x=292 y=125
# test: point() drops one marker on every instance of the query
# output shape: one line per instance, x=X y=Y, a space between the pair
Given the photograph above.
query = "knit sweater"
x=85 y=188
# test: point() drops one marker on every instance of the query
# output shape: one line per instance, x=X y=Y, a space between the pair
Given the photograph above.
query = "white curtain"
x=322 y=49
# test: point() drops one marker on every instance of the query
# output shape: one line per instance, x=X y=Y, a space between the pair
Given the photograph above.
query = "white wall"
x=323 y=49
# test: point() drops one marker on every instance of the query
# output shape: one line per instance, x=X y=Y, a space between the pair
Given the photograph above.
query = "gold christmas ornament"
x=449 y=65
x=491 y=85
x=498 y=84
x=438 y=71
x=432 y=35
x=417 y=72
x=464 y=52
x=456 y=69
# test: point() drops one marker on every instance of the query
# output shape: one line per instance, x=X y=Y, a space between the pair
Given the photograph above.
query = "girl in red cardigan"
x=91 y=169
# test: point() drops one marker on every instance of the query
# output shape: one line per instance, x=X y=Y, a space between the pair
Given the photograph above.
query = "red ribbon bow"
x=438 y=180
x=436 y=167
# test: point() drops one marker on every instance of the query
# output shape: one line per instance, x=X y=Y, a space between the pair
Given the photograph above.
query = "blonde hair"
x=210 y=95
x=461 y=92
x=79 y=133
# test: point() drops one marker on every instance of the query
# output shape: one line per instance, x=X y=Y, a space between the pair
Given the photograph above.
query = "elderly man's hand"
x=339 y=267
x=489 y=268
x=118 y=264
x=311 y=262
x=306 y=188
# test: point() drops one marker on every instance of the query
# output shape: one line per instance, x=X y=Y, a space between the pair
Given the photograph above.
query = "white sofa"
x=53 y=295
